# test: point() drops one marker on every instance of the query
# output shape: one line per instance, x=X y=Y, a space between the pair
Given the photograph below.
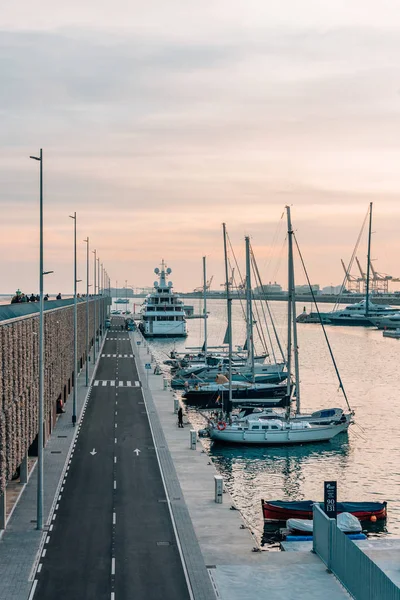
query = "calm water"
x=365 y=462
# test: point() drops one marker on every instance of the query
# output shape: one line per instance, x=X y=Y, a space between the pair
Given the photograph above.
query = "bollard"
x=148 y=350
x=219 y=488
x=152 y=358
x=176 y=406
x=165 y=383
x=193 y=439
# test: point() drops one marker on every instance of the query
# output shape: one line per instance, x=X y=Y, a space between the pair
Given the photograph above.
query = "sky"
x=160 y=120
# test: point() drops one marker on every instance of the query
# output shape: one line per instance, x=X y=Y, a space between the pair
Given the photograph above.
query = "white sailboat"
x=253 y=428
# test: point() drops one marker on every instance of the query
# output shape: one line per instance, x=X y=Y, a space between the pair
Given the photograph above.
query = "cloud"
x=159 y=122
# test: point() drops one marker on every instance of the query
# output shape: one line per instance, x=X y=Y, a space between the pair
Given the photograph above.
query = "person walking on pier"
x=180 y=417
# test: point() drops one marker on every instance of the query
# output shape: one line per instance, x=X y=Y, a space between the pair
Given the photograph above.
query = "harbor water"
x=365 y=462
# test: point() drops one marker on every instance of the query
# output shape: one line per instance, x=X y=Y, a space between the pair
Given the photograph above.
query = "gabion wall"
x=19 y=380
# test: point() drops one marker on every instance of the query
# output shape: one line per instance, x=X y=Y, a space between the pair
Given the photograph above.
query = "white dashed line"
x=51 y=528
x=57 y=505
x=44 y=553
x=115 y=440
x=114 y=518
x=115 y=485
x=47 y=539
x=54 y=517
x=33 y=588
x=39 y=567
x=116 y=425
x=115 y=459
x=113 y=566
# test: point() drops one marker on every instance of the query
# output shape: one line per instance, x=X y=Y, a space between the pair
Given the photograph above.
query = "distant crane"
x=379 y=281
x=353 y=283
x=208 y=285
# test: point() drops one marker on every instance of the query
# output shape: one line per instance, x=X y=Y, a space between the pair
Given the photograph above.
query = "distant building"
x=269 y=288
x=305 y=289
x=331 y=289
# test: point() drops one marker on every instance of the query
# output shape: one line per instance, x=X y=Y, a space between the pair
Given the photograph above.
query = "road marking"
x=114 y=518
x=59 y=497
x=112 y=383
x=44 y=553
x=57 y=506
x=51 y=527
x=120 y=383
x=34 y=588
x=105 y=383
x=96 y=382
x=93 y=452
x=137 y=451
x=39 y=567
x=115 y=440
x=137 y=383
x=112 y=596
x=128 y=383
x=54 y=517
x=116 y=412
x=115 y=485
x=47 y=539
x=113 y=566
x=115 y=459
x=116 y=425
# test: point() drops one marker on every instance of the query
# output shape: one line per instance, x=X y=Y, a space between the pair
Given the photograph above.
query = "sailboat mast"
x=294 y=323
x=368 y=259
x=289 y=307
x=205 y=305
x=229 y=310
x=249 y=310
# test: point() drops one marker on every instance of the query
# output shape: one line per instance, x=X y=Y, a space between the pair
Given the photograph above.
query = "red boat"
x=277 y=510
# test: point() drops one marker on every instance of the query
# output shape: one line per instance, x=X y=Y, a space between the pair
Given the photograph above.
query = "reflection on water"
x=365 y=462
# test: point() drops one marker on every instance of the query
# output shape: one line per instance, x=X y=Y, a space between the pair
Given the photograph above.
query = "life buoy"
x=221 y=425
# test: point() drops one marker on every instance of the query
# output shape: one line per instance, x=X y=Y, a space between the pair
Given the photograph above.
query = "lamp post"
x=87 y=311
x=94 y=308
x=99 y=308
x=39 y=506
x=75 y=327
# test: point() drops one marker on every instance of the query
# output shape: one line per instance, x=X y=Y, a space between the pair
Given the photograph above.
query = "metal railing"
x=360 y=575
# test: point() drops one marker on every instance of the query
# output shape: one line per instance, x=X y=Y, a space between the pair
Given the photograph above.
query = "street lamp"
x=94 y=308
x=87 y=311
x=99 y=306
x=75 y=326
x=39 y=506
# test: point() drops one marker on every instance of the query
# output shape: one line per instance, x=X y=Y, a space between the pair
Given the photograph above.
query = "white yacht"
x=163 y=313
x=391 y=321
x=353 y=314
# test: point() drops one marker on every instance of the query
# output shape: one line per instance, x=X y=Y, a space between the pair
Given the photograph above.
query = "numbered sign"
x=330 y=498
x=147 y=366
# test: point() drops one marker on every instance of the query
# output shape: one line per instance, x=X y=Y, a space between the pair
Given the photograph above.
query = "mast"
x=229 y=330
x=249 y=310
x=293 y=311
x=289 y=308
x=205 y=305
x=368 y=260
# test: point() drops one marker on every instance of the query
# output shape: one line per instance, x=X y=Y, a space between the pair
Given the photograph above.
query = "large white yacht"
x=163 y=311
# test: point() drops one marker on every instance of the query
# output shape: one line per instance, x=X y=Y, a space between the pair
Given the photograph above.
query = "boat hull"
x=282 y=511
x=216 y=397
x=280 y=437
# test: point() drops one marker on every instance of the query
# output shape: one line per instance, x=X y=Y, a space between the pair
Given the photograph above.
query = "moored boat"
x=279 y=510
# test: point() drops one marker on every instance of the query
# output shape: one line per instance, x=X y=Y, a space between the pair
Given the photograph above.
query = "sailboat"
x=361 y=314
x=253 y=428
x=257 y=384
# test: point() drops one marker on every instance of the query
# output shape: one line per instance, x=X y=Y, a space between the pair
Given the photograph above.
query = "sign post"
x=147 y=366
x=330 y=498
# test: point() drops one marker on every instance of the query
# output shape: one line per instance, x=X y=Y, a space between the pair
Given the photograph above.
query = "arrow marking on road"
x=93 y=452
x=137 y=451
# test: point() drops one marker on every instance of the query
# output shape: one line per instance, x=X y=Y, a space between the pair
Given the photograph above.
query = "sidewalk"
x=21 y=542
x=225 y=543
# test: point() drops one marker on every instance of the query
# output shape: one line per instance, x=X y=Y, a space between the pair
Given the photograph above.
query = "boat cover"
x=345 y=522
x=307 y=505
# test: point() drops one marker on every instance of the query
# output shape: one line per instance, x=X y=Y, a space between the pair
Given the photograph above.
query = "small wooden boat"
x=277 y=510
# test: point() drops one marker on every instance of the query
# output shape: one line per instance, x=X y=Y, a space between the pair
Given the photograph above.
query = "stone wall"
x=19 y=376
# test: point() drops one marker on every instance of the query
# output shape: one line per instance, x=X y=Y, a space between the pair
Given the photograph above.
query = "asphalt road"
x=112 y=535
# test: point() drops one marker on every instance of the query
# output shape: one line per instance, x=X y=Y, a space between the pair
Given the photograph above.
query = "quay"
x=130 y=506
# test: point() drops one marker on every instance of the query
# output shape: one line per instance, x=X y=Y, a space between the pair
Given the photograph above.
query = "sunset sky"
x=159 y=120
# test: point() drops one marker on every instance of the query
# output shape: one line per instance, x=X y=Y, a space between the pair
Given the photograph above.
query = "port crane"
x=208 y=285
x=379 y=281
